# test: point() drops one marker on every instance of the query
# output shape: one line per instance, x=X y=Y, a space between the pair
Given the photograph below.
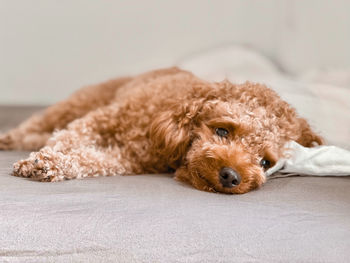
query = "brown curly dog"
x=219 y=137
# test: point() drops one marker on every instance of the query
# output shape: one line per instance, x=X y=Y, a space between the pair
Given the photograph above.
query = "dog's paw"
x=39 y=166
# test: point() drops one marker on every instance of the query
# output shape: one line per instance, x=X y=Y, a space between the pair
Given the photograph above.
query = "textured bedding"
x=152 y=218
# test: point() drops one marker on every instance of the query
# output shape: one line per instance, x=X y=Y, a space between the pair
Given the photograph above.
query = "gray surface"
x=152 y=218
x=10 y=116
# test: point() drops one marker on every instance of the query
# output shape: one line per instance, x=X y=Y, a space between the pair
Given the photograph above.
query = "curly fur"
x=156 y=122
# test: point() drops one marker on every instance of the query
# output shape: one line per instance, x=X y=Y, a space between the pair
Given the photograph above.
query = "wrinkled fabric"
x=318 y=161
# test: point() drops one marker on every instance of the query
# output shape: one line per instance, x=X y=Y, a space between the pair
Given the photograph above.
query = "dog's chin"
x=210 y=182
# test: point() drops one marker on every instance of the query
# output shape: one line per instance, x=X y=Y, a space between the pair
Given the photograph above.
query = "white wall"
x=49 y=48
x=315 y=33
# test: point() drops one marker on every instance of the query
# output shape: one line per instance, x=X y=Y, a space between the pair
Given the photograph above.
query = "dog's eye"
x=221 y=132
x=265 y=164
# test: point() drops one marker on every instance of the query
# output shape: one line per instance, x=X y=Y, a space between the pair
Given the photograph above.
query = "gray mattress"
x=152 y=218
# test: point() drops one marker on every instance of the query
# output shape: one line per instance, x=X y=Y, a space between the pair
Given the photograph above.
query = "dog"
x=216 y=136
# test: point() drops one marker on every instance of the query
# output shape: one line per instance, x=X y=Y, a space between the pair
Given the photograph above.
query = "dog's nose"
x=229 y=177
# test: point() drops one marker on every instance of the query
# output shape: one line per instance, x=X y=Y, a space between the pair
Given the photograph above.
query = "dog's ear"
x=308 y=137
x=171 y=130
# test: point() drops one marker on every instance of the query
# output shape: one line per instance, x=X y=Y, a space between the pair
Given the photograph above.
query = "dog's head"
x=225 y=144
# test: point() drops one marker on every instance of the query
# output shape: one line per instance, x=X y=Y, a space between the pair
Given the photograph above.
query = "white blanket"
x=318 y=161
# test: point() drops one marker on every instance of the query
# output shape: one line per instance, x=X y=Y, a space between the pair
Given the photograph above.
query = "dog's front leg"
x=80 y=151
x=51 y=165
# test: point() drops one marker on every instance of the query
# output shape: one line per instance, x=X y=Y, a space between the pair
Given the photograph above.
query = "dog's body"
x=216 y=136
